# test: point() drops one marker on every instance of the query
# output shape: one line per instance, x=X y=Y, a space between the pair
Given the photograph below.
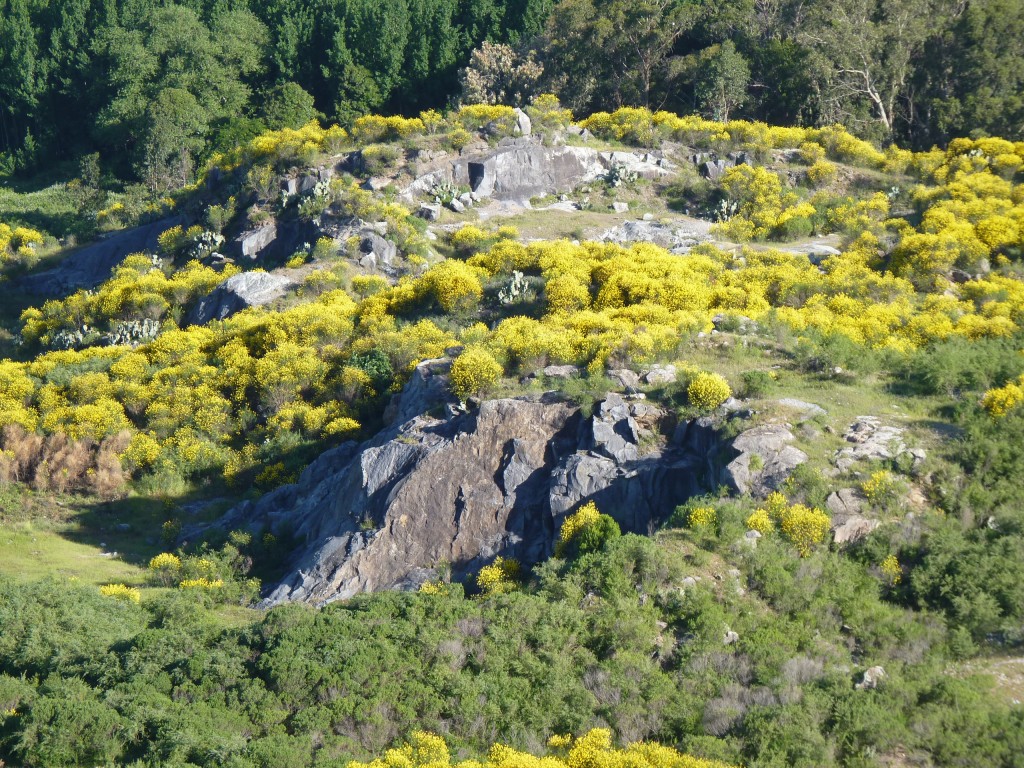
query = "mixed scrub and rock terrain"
x=505 y=438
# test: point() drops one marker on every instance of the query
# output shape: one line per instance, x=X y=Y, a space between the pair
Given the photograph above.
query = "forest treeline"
x=132 y=79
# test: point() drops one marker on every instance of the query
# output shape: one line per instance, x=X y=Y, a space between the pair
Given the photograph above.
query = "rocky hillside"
x=701 y=432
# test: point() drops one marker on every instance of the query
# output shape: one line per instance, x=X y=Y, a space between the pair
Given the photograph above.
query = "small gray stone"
x=429 y=211
x=561 y=371
x=872 y=677
x=523 y=125
x=626 y=378
x=660 y=374
x=620 y=207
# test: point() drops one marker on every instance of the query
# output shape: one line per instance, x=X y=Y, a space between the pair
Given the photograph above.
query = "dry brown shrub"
x=58 y=463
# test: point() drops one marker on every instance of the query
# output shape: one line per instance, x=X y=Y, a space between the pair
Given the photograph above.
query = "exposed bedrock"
x=459 y=491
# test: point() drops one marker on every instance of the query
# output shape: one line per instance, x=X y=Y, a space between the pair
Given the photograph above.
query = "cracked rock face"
x=465 y=489
x=765 y=460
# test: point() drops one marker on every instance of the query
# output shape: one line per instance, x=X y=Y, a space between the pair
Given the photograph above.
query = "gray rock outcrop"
x=870 y=441
x=254 y=242
x=376 y=252
x=678 y=239
x=521 y=168
x=238 y=292
x=91 y=265
x=467 y=487
x=776 y=459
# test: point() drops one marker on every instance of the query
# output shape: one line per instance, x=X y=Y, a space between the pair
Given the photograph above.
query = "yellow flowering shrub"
x=593 y=749
x=575 y=524
x=18 y=244
x=891 y=569
x=804 y=527
x=702 y=517
x=882 y=487
x=760 y=521
x=473 y=370
x=165 y=561
x=375 y=128
x=453 y=284
x=476 y=116
x=999 y=401
x=121 y=592
x=821 y=173
x=201 y=583
x=708 y=391
x=499 y=577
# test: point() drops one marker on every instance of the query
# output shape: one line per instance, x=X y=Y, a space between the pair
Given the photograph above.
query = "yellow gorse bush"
x=881 y=486
x=473 y=370
x=121 y=592
x=592 y=750
x=760 y=521
x=707 y=391
x=999 y=401
x=891 y=569
x=702 y=517
x=165 y=561
x=804 y=527
x=201 y=583
x=575 y=524
x=499 y=577
x=18 y=243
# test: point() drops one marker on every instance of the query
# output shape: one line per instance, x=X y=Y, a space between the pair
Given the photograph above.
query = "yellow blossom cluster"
x=121 y=592
x=201 y=583
x=999 y=401
x=891 y=569
x=804 y=527
x=18 y=243
x=499 y=577
x=707 y=391
x=702 y=517
x=575 y=524
x=591 y=750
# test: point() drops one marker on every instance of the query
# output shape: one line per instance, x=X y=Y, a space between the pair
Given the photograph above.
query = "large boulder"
x=255 y=242
x=238 y=292
x=92 y=264
x=765 y=460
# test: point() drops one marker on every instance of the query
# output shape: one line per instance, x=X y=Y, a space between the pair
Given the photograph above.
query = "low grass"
x=91 y=543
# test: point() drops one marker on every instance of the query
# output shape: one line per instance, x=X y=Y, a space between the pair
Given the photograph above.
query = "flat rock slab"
x=238 y=292
x=92 y=264
x=870 y=440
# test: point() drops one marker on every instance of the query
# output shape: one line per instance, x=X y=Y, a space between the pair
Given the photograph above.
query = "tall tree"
x=869 y=48
x=19 y=72
x=614 y=52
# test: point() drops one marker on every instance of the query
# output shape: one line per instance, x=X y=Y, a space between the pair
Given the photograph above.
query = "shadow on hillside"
x=139 y=527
